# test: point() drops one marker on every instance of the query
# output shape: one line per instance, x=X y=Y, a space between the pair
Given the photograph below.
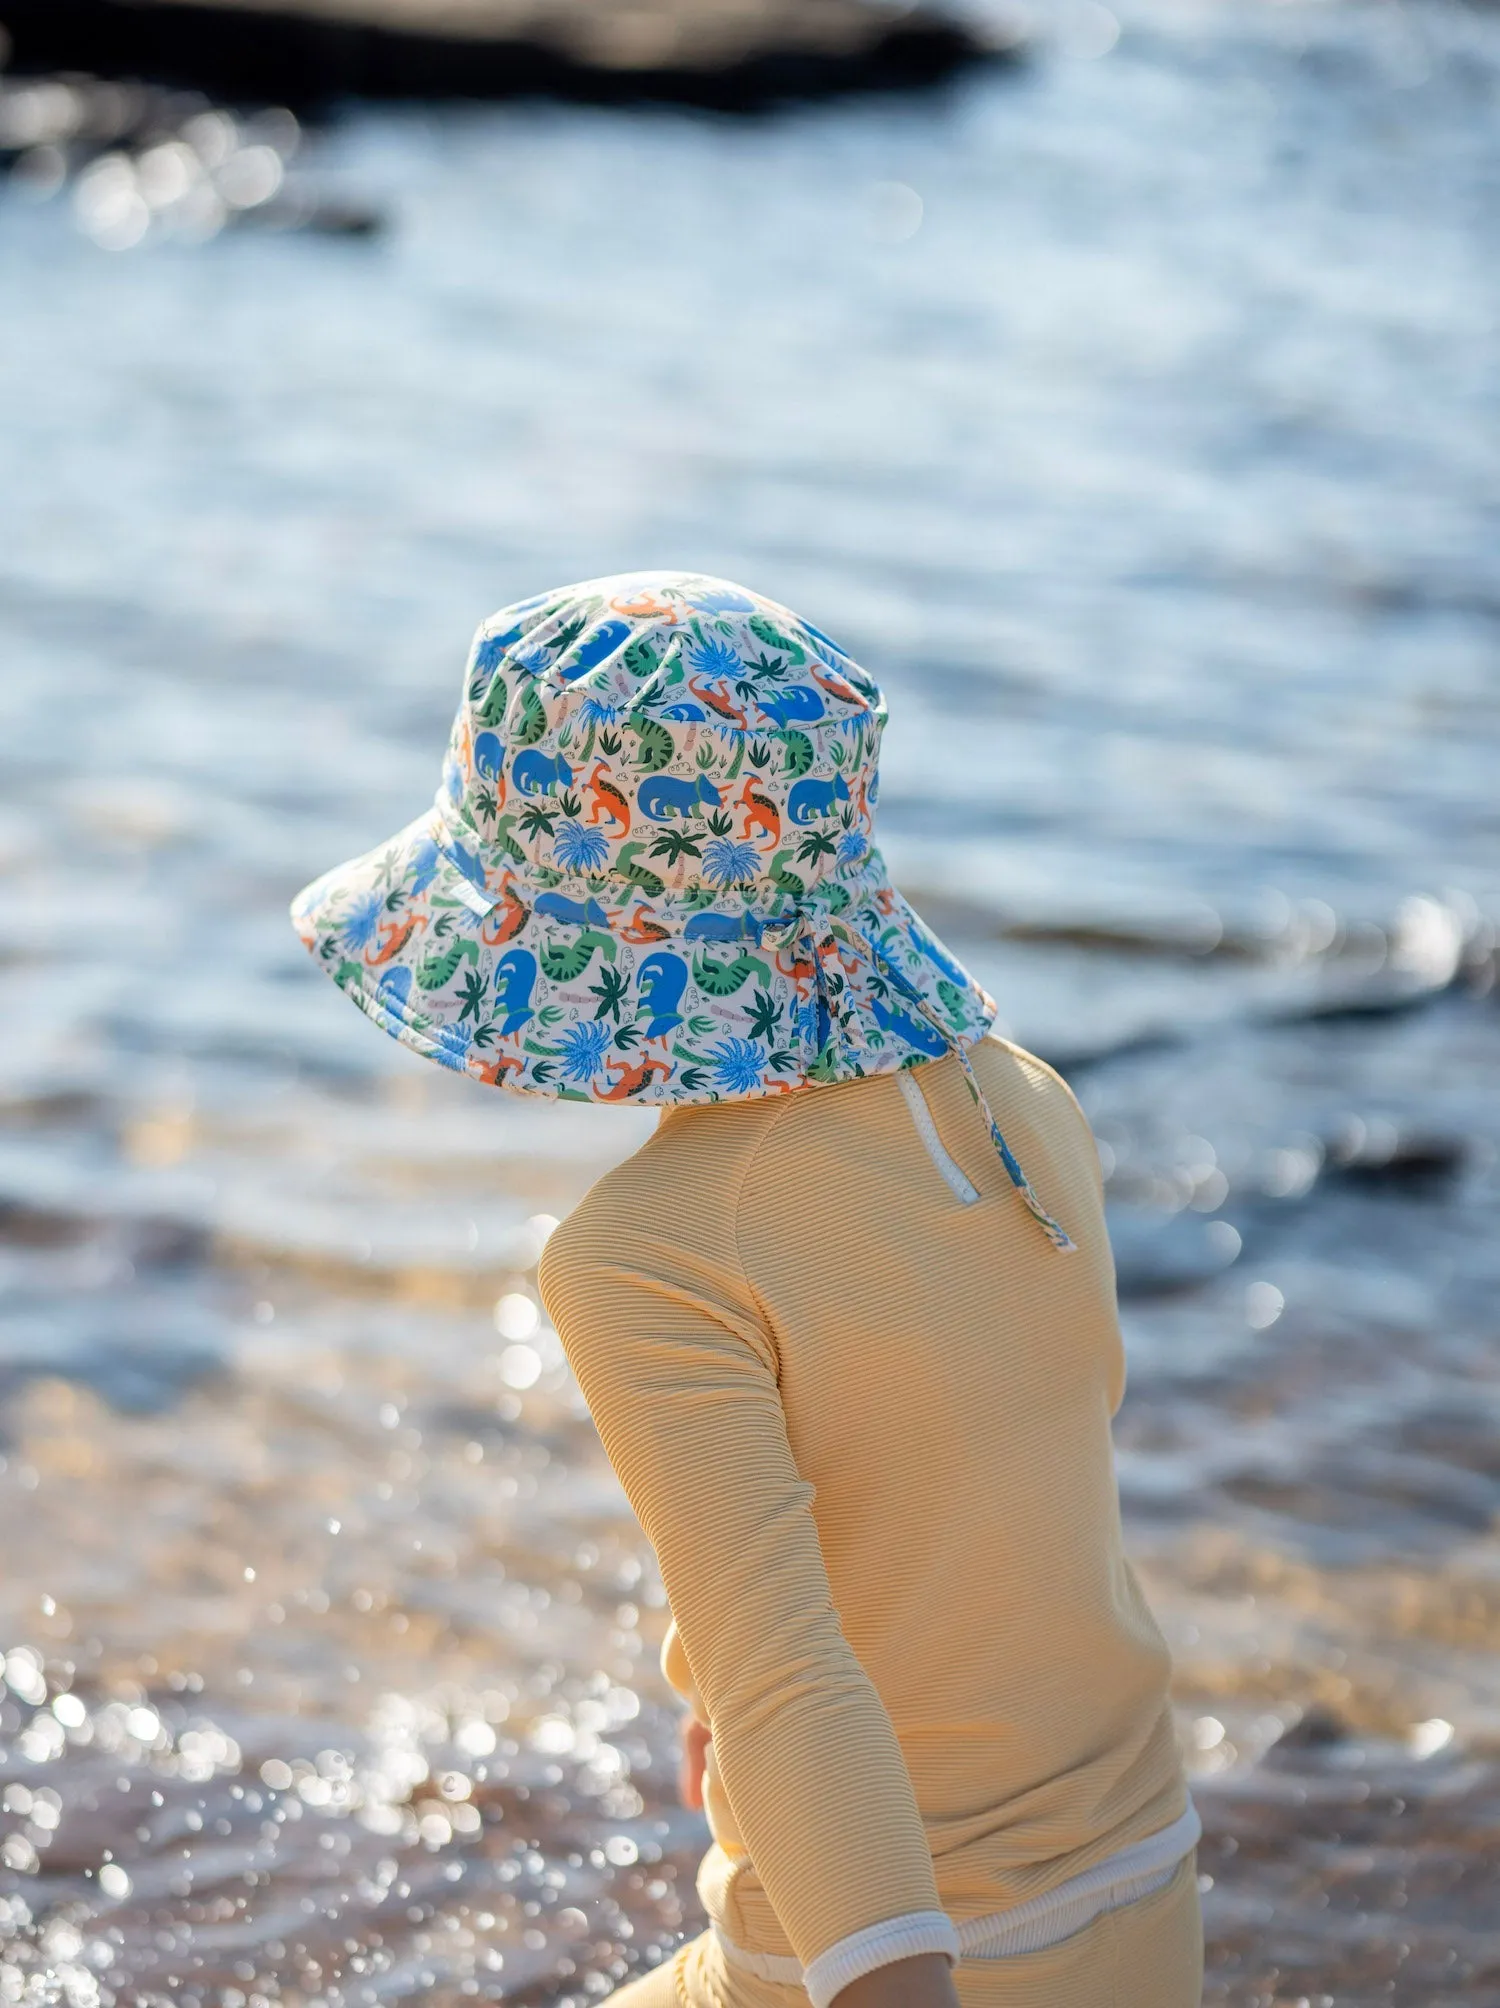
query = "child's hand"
x=695 y=1741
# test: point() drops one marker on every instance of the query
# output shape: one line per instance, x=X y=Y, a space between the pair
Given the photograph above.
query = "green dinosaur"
x=637 y=874
x=799 y=753
x=532 y=722
x=492 y=710
x=434 y=970
x=563 y=961
x=722 y=979
x=506 y=842
x=655 y=744
x=788 y=881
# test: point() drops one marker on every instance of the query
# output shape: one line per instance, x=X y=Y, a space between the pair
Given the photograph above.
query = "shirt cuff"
x=877 y=1945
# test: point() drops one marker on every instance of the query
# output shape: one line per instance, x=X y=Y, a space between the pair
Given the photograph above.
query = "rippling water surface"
x=1155 y=474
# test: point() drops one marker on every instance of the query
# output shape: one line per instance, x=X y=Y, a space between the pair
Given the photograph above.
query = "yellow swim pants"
x=1147 y=1954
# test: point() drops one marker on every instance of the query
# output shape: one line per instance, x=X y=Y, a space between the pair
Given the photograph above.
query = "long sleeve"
x=680 y=1374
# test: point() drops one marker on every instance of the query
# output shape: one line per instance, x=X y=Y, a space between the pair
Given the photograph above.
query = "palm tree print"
x=580 y=849
x=612 y=989
x=729 y=861
x=674 y=845
x=738 y=1065
x=582 y=1048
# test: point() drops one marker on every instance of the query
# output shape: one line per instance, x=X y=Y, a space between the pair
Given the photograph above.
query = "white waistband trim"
x=1121 y=1878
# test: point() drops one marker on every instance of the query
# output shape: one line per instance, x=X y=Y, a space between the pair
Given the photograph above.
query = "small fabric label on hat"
x=477 y=901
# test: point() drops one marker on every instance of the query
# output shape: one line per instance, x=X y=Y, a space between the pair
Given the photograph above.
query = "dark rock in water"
x=1377 y=1154
x=1315 y=1729
x=732 y=55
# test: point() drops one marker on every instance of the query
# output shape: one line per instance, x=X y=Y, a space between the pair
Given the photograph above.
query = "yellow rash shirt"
x=866 y=1427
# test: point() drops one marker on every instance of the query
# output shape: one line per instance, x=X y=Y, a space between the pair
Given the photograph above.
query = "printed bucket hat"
x=649 y=874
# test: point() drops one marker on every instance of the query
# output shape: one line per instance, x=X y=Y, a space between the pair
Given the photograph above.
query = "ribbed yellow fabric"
x=866 y=1429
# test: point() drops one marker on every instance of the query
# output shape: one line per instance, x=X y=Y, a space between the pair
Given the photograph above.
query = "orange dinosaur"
x=492 y=1072
x=643 y=606
x=638 y=928
x=510 y=915
x=608 y=801
x=717 y=701
x=394 y=937
x=632 y=1078
x=761 y=813
x=835 y=685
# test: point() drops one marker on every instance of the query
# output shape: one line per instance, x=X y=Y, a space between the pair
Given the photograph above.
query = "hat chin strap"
x=837 y=932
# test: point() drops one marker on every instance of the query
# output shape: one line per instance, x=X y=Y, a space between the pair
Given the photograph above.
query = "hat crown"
x=672 y=732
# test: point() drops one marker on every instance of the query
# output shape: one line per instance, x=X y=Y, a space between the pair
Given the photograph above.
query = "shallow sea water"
x=1155 y=474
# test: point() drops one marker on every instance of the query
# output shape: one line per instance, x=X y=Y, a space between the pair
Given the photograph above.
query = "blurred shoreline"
x=711 y=54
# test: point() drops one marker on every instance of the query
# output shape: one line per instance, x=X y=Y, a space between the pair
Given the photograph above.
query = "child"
x=854 y=1365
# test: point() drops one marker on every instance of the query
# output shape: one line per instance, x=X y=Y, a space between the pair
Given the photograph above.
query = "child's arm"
x=680 y=1378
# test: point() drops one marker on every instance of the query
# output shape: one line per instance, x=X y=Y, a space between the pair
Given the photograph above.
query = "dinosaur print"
x=813 y=798
x=394 y=937
x=608 y=800
x=515 y=979
x=761 y=812
x=513 y=916
x=640 y=930
x=660 y=982
x=717 y=702
x=722 y=979
x=664 y=796
x=565 y=961
x=578 y=913
x=626 y=866
x=632 y=1076
x=654 y=743
x=537 y=773
x=489 y=758
x=711 y=926
x=794 y=704
x=442 y=964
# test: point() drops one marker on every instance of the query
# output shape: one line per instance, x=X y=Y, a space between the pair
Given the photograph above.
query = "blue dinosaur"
x=923 y=1036
x=467 y=863
x=393 y=991
x=798 y=701
x=663 y=796
x=491 y=651
x=811 y=799
x=720 y=599
x=711 y=926
x=422 y=865
x=684 y=711
x=536 y=773
x=934 y=950
x=660 y=981
x=577 y=912
x=515 y=979
x=489 y=755
x=592 y=650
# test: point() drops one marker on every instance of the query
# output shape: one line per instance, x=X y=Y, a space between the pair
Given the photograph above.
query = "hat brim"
x=561 y=992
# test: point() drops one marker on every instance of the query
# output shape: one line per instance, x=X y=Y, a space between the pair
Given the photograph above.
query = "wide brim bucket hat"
x=649 y=873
